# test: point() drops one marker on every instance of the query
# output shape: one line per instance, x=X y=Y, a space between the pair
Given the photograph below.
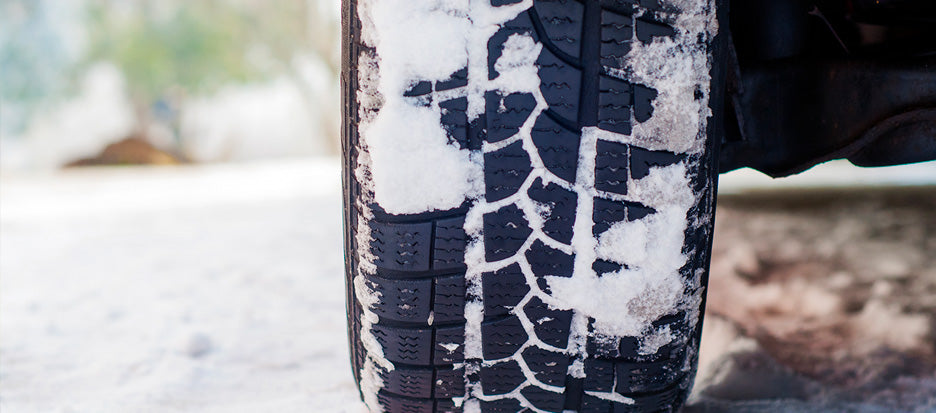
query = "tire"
x=529 y=201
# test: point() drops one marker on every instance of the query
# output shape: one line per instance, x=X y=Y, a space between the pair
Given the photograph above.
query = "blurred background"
x=170 y=231
x=89 y=82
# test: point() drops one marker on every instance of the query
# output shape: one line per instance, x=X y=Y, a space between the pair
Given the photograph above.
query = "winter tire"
x=529 y=200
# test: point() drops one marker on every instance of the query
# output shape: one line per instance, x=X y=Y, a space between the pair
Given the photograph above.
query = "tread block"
x=544 y=399
x=503 y=289
x=591 y=404
x=637 y=211
x=636 y=377
x=450 y=241
x=643 y=102
x=561 y=204
x=392 y=403
x=419 y=89
x=401 y=247
x=561 y=85
x=668 y=400
x=624 y=7
x=562 y=22
x=455 y=120
x=641 y=160
x=627 y=348
x=611 y=167
x=613 y=118
x=449 y=383
x=550 y=326
x=546 y=261
x=602 y=267
x=505 y=231
x=557 y=147
x=402 y=300
x=502 y=406
x=502 y=338
x=615 y=105
x=505 y=171
x=671 y=319
x=449 y=346
x=599 y=375
x=458 y=79
x=651 y=5
x=408 y=382
x=506 y=114
x=448 y=305
x=616 y=33
x=647 y=29
x=607 y=212
x=549 y=367
x=404 y=345
x=501 y=378
x=613 y=91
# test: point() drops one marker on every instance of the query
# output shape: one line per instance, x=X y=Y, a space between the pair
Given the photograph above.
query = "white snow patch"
x=415 y=40
x=370 y=385
x=577 y=369
x=474 y=315
x=517 y=64
x=472 y=406
x=370 y=382
x=653 y=341
x=677 y=68
x=625 y=303
x=612 y=396
x=368 y=297
x=414 y=166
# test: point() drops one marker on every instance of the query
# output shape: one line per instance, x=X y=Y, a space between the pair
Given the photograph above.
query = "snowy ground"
x=219 y=288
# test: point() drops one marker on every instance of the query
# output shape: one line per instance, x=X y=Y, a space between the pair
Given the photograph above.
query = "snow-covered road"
x=220 y=288
x=195 y=289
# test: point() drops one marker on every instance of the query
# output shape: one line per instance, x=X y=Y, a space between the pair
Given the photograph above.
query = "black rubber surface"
x=419 y=259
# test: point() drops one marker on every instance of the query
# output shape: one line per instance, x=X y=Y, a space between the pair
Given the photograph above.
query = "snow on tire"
x=529 y=192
